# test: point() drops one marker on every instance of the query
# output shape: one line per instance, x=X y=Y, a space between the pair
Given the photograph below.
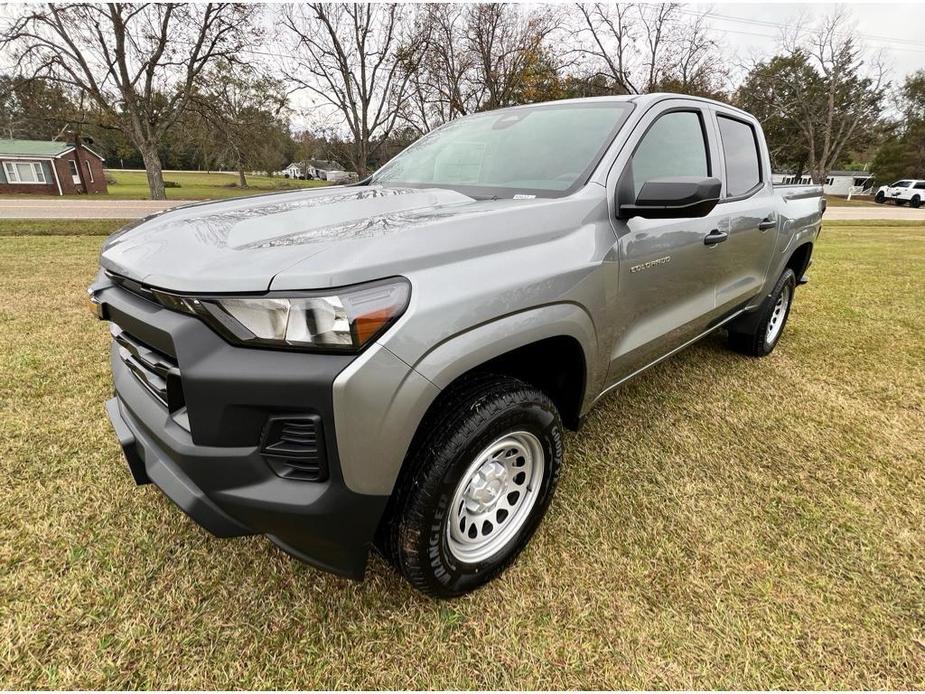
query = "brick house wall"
x=92 y=167
x=34 y=188
x=97 y=185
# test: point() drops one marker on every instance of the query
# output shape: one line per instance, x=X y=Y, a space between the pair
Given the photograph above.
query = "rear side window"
x=740 y=150
x=920 y=185
x=673 y=146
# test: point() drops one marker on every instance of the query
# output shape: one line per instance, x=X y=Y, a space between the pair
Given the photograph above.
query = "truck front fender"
x=379 y=400
x=466 y=351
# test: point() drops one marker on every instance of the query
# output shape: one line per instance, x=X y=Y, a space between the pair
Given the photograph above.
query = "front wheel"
x=476 y=487
x=880 y=198
x=757 y=338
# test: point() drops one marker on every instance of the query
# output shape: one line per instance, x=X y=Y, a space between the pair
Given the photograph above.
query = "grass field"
x=60 y=227
x=835 y=201
x=721 y=522
x=193 y=185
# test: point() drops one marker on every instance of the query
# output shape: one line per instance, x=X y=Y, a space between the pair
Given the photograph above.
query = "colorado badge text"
x=651 y=263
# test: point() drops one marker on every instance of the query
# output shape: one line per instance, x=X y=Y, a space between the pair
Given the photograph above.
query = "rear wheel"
x=880 y=198
x=758 y=338
x=476 y=486
x=916 y=201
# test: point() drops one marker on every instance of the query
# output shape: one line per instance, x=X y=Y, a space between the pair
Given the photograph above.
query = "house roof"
x=38 y=148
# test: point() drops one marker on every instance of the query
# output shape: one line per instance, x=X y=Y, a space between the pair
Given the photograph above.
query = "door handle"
x=714 y=237
x=766 y=224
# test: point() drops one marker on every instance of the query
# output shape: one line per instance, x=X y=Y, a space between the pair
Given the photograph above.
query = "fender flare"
x=379 y=401
x=465 y=351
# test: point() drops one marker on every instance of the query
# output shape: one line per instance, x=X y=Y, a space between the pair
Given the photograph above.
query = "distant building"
x=838 y=182
x=318 y=169
x=49 y=168
x=294 y=170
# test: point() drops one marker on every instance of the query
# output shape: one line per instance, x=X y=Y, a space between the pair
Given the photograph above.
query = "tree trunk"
x=361 y=153
x=152 y=162
x=242 y=181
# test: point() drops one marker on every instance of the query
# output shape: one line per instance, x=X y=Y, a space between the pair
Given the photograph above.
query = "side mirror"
x=678 y=196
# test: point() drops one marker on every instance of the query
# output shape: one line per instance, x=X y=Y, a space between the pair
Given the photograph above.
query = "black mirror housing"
x=674 y=197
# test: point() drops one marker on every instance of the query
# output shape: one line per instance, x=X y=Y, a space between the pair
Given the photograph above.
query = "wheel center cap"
x=486 y=487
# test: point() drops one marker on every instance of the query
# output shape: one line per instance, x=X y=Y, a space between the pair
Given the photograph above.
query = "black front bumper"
x=206 y=455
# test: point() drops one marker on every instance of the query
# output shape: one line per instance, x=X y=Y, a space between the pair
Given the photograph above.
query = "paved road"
x=102 y=208
x=68 y=208
x=878 y=212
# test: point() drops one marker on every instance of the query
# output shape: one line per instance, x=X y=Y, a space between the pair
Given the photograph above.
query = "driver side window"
x=673 y=146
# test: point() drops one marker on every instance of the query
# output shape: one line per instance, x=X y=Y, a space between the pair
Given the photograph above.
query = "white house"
x=838 y=182
x=318 y=169
x=294 y=170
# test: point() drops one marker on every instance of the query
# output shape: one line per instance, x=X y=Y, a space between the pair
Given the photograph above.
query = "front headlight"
x=343 y=320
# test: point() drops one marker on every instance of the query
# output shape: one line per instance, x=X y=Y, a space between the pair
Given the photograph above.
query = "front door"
x=666 y=286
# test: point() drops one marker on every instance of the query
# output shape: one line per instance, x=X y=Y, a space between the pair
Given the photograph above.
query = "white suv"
x=901 y=192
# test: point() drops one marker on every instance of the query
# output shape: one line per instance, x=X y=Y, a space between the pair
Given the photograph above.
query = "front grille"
x=155 y=370
x=294 y=447
x=132 y=286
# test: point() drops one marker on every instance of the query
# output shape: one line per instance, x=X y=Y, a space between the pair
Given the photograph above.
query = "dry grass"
x=721 y=522
x=838 y=201
x=60 y=227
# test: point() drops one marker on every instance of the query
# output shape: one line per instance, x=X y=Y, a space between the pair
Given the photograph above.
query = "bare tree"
x=822 y=93
x=440 y=87
x=649 y=47
x=353 y=57
x=611 y=25
x=478 y=57
x=505 y=45
x=138 y=63
x=850 y=99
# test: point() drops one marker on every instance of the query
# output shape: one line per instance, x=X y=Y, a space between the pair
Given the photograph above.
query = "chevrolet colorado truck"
x=391 y=364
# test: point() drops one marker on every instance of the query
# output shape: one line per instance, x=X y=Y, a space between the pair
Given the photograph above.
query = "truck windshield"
x=539 y=151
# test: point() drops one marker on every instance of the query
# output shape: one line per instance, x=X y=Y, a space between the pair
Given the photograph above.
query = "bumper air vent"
x=157 y=371
x=294 y=448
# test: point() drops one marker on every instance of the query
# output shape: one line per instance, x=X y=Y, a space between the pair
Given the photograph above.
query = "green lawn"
x=721 y=521
x=836 y=201
x=193 y=185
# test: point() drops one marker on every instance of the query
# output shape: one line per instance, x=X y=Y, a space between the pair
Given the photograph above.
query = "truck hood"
x=304 y=239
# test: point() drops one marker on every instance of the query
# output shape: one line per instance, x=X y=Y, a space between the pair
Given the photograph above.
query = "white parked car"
x=907 y=190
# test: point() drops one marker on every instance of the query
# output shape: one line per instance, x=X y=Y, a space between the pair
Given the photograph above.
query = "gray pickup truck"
x=392 y=363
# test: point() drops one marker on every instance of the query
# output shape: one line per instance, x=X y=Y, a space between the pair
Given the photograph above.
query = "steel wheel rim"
x=776 y=321
x=494 y=497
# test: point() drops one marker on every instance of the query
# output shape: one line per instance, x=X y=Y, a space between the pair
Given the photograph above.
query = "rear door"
x=741 y=262
x=664 y=289
x=918 y=193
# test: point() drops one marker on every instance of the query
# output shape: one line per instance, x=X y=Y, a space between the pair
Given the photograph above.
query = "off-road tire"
x=751 y=337
x=471 y=416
